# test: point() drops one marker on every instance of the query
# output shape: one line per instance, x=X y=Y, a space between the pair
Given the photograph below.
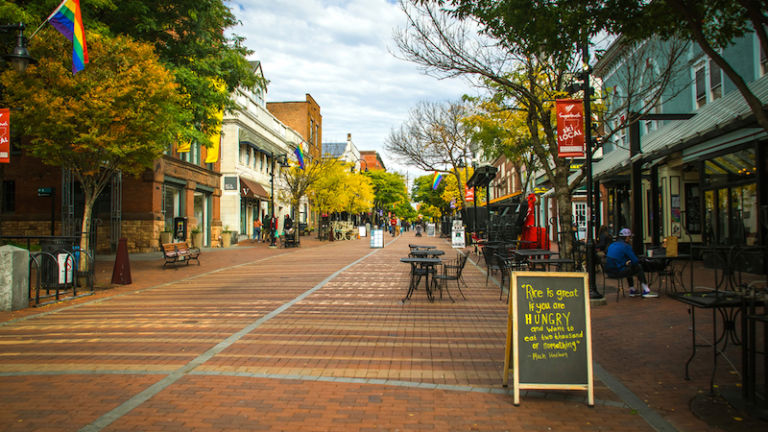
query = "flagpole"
x=38 y=29
x=47 y=19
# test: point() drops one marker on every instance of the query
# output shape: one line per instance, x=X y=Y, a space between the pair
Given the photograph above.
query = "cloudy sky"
x=340 y=52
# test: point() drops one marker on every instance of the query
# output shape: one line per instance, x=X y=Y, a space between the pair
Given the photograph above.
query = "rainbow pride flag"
x=436 y=180
x=299 y=156
x=67 y=20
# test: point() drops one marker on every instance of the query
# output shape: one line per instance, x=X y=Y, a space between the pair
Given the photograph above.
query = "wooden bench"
x=180 y=253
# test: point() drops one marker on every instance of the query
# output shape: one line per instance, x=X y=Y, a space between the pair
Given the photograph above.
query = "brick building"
x=303 y=117
x=136 y=208
x=372 y=160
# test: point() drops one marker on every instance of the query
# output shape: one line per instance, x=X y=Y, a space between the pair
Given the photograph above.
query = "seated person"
x=604 y=239
x=621 y=261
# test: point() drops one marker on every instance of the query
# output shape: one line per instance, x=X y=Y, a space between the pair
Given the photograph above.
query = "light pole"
x=593 y=293
x=283 y=161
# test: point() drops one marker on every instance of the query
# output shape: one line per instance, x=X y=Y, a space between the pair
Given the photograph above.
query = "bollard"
x=14 y=278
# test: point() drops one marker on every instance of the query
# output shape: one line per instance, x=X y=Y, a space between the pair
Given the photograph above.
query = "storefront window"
x=744 y=214
x=172 y=204
x=733 y=167
x=730 y=204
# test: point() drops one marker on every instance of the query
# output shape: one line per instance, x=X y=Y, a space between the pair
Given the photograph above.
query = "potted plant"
x=166 y=237
x=226 y=237
x=197 y=237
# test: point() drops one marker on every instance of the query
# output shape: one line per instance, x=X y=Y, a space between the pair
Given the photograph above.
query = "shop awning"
x=252 y=189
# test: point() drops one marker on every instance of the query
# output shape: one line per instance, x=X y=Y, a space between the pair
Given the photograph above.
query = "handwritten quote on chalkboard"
x=549 y=330
x=546 y=322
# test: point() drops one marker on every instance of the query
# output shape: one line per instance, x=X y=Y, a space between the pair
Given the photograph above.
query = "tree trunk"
x=565 y=238
x=85 y=246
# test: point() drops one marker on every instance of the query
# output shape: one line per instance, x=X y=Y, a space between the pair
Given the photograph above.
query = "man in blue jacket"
x=621 y=261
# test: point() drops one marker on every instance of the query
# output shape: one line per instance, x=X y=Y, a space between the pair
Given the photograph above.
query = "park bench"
x=180 y=253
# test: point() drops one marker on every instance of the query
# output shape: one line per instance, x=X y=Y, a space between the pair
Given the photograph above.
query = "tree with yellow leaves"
x=340 y=190
x=119 y=114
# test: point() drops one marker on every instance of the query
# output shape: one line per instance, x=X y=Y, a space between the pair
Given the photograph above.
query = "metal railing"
x=54 y=270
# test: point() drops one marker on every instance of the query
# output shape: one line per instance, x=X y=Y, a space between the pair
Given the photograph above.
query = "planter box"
x=226 y=239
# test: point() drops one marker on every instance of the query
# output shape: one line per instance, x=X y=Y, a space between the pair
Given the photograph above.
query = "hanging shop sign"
x=5 y=135
x=570 y=128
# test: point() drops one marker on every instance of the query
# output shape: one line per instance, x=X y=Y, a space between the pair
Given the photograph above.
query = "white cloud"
x=339 y=52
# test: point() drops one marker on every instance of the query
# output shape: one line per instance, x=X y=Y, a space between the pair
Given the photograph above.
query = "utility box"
x=14 y=278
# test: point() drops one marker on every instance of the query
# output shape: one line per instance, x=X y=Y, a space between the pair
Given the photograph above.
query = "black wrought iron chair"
x=491 y=261
x=451 y=271
x=619 y=280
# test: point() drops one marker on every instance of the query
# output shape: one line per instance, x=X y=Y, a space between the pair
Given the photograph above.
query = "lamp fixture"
x=19 y=57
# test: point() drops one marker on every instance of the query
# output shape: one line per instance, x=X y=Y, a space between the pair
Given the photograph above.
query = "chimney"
x=349 y=137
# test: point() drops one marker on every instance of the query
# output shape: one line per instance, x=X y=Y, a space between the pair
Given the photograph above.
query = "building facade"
x=254 y=148
x=179 y=184
x=305 y=118
x=372 y=160
x=692 y=165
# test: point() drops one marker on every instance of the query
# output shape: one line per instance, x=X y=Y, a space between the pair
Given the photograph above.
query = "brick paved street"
x=316 y=339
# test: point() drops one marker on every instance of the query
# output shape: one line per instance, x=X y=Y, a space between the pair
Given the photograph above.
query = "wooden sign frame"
x=512 y=351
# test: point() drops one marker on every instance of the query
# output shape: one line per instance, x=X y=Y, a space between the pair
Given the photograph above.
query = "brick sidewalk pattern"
x=317 y=339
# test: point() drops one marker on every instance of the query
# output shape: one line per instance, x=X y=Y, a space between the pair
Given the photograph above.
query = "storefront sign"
x=570 y=128
x=5 y=135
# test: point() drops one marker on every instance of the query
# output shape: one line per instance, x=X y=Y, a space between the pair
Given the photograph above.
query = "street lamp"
x=591 y=211
x=283 y=161
x=19 y=57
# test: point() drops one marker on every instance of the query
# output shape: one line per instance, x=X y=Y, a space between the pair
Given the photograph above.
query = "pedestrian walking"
x=257 y=230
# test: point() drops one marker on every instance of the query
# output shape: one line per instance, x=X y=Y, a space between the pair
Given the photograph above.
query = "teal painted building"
x=701 y=176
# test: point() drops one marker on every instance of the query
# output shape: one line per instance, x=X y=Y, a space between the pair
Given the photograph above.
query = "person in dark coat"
x=621 y=261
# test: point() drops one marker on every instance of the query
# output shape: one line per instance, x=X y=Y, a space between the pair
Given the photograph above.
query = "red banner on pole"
x=5 y=135
x=570 y=128
x=469 y=193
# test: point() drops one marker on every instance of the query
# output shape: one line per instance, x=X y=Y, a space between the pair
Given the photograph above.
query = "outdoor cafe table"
x=547 y=263
x=532 y=253
x=420 y=266
x=518 y=243
x=667 y=266
x=431 y=253
x=725 y=303
x=750 y=351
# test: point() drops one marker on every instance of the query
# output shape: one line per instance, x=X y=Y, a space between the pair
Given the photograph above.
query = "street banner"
x=570 y=128
x=5 y=135
x=469 y=194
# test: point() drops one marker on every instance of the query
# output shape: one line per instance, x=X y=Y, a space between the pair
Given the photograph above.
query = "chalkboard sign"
x=548 y=333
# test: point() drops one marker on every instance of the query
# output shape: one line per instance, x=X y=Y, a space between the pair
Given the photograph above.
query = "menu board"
x=548 y=333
